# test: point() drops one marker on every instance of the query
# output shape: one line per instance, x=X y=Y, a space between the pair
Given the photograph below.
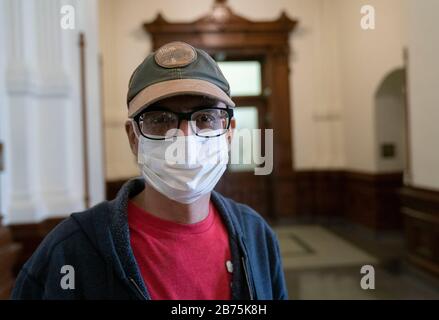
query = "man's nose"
x=186 y=128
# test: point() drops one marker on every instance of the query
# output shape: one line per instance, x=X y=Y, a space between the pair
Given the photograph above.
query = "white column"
x=88 y=22
x=50 y=111
x=17 y=194
x=41 y=123
x=326 y=112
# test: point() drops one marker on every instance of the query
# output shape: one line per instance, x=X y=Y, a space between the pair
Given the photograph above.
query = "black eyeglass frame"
x=184 y=116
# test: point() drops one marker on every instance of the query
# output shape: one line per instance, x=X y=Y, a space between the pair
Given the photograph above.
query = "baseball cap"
x=176 y=68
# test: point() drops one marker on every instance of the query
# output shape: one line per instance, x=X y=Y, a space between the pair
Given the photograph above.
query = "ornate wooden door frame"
x=223 y=32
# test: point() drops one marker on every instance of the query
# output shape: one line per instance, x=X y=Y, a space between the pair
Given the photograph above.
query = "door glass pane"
x=244 y=77
x=245 y=143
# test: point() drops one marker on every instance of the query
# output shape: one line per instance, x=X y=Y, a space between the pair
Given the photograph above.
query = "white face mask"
x=183 y=168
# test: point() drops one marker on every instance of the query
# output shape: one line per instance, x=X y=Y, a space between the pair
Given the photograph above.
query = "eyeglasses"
x=207 y=122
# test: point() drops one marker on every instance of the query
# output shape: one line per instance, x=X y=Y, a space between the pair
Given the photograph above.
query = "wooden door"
x=239 y=181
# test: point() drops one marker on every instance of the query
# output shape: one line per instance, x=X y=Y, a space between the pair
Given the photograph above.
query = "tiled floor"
x=325 y=262
x=315 y=247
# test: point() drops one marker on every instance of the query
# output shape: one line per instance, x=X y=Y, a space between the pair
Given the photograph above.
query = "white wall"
x=424 y=93
x=315 y=87
x=41 y=122
x=366 y=57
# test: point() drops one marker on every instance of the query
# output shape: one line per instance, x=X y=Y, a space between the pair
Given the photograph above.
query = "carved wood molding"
x=222 y=28
x=220 y=19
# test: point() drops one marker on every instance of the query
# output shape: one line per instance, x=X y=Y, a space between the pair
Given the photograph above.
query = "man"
x=167 y=235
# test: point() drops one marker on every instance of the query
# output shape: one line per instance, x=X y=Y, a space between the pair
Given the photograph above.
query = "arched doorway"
x=391 y=124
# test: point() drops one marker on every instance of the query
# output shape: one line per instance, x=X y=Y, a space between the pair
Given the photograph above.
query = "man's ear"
x=132 y=138
x=231 y=130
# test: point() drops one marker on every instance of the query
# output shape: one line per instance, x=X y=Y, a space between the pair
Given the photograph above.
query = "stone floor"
x=324 y=262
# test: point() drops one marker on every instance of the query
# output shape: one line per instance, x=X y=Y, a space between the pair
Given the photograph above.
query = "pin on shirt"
x=229 y=266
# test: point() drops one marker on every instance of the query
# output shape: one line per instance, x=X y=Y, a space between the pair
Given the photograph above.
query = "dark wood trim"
x=408 y=153
x=421 y=199
x=83 y=86
x=319 y=193
x=376 y=178
x=420 y=208
x=422 y=216
x=367 y=199
x=372 y=200
x=29 y=236
x=1 y=156
x=9 y=252
x=221 y=19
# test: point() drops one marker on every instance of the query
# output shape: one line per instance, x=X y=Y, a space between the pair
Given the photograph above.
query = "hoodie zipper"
x=137 y=289
x=246 y=268
x=247 y=278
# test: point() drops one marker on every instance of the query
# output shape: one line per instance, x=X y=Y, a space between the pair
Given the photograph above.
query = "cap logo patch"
x=175 y=54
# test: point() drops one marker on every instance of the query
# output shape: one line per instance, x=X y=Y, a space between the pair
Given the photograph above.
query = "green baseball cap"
x=175 y=69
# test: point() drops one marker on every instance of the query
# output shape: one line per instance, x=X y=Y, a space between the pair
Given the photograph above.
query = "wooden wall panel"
x=29 y=236
x=9 y=252
x=319 y=193
x=367 y=199
x=420 y=209
x=372 y=200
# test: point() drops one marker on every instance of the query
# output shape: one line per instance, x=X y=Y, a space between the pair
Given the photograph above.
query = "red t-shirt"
x=181 y=261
